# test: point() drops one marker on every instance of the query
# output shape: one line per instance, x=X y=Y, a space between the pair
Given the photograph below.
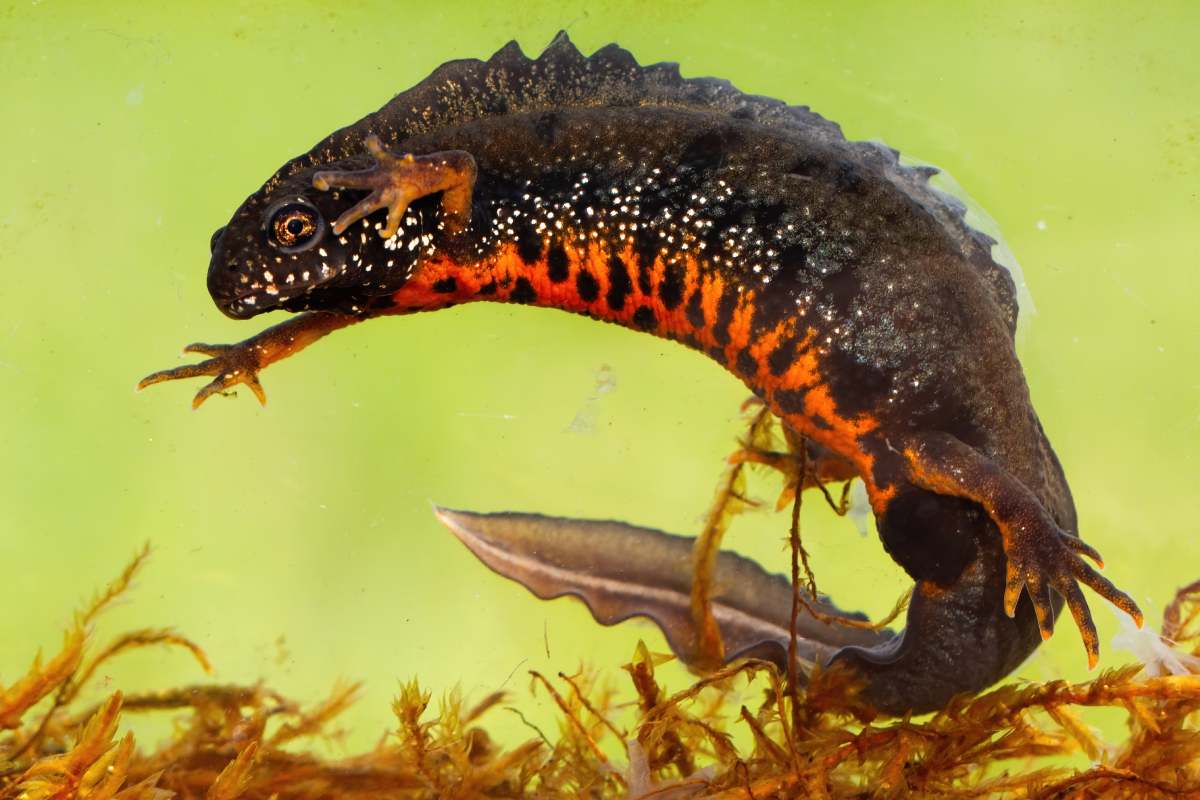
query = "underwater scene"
x=870 y=308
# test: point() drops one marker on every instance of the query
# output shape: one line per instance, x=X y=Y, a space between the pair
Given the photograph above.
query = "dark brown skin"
x=845 y=292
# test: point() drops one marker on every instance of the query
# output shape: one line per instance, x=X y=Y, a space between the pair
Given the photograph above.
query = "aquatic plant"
x=741 y=732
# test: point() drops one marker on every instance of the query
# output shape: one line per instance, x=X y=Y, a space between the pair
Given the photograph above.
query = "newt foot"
x=231 y=364
x=234 y=364
x=397 y=181
x=1041 y=555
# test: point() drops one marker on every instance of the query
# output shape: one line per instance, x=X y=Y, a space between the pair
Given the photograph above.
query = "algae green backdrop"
x=296 y=542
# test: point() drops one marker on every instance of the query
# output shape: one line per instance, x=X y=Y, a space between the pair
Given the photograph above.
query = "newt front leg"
x=233 y=364
x=396 y=181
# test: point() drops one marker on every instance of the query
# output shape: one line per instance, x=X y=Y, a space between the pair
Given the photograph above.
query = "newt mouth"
x=269 y=292
x=348 y=300
x=267 y=298
x=242 y=288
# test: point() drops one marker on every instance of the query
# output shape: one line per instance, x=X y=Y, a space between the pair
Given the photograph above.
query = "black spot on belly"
x=782 y=357
x=791 y=401
x=585 y=284
x=645 y=273
x=695 y=311
x=644 y=318
x=645 y=240
x=523 y=292
x=746 y=364
x=446 y=286
x=670 y=291
x=488 y=288
x=725 y=308
x=619 y=284
x=557 y=268
x=529 y=241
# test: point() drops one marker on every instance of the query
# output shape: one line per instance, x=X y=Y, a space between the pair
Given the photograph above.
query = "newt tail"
x=835 y=283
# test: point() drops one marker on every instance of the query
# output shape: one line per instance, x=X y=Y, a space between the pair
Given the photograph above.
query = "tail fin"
x=958 y=638
x=621 y=571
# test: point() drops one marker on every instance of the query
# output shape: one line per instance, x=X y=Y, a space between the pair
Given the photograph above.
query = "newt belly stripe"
x=678 y=297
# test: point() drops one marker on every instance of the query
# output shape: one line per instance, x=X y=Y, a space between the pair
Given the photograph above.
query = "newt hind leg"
x=1041 y=555
x=396 y=181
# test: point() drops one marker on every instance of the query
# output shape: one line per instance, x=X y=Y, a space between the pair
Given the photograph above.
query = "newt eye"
x=295 y=227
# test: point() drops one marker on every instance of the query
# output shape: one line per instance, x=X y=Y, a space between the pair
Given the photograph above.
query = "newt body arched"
x=846 y=293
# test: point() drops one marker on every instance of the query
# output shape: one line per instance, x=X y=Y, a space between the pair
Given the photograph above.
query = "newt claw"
x=1050 y=559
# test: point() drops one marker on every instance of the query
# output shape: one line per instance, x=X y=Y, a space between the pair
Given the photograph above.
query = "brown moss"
x=238 y=742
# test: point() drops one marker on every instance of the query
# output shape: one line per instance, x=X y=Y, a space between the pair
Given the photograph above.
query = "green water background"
x=295 y=542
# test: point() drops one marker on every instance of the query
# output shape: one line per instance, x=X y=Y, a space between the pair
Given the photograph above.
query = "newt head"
x=284 y=249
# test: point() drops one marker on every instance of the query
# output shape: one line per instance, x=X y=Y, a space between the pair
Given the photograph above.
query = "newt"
x=847 y=293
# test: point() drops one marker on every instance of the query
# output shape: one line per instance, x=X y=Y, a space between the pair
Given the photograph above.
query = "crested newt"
x=838 y=284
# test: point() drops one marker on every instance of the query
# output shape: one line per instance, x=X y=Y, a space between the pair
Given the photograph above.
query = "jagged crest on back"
x=562 y=77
